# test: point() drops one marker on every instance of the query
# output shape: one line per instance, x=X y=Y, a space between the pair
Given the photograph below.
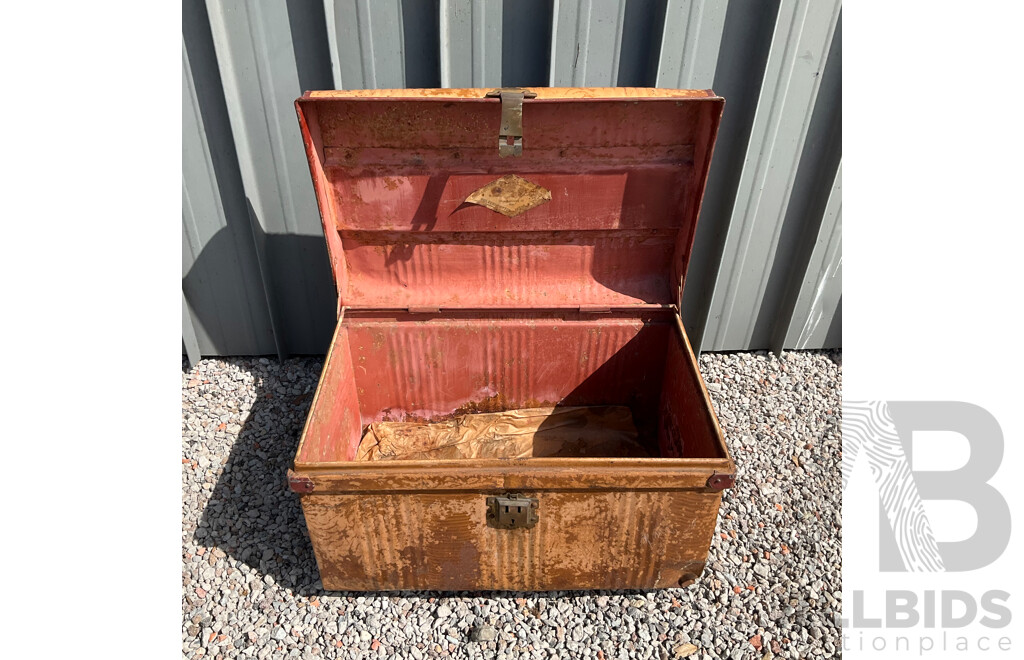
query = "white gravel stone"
x=248 y=571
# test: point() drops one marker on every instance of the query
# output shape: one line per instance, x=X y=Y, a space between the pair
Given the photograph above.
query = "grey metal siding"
x=767 y=265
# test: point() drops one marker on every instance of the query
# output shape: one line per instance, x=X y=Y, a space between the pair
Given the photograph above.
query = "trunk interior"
x=401 y=366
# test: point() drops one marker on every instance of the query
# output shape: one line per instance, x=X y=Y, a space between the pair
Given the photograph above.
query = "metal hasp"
x=512 y=511
x=510 y=135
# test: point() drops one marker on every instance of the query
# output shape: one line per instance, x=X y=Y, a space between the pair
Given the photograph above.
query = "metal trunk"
x=500 y=249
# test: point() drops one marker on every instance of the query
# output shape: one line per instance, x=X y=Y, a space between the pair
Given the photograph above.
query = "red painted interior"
x=626 y=179
x=430 y=366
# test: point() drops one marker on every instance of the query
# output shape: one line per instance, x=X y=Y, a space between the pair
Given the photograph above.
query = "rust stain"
x=496 y=403
x=399 y=546
x=510 y=195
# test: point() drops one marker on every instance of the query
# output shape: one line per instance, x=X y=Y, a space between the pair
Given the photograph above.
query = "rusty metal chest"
x=497 y=250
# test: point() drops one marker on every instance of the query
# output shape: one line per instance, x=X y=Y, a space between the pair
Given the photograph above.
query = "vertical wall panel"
x=421 y=36
x=331 y=18
x=367 y=42
x=371 y=48
x=223 y=304
x=586 y=42
x=471 y=43
x=816 y=319
x=767 y=259
x=807 y=216
x=800 y=45
x=189 y=342
x=258 y=66
x=640 y=46
x=526 y=28
x=743 y=55
x=689 y=57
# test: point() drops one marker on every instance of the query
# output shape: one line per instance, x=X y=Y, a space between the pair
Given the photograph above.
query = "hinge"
x=510 y=135
x=299 y=483
x=721 y=480
x=595 y=309
x=424 y=310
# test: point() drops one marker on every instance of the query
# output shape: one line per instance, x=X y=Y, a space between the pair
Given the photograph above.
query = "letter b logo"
x=883 y=431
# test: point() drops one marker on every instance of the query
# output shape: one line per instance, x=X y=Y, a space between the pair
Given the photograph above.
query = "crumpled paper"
x=572 y=431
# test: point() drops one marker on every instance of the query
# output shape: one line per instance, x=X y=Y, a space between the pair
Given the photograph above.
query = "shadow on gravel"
x=257 y=520
x=252 y=515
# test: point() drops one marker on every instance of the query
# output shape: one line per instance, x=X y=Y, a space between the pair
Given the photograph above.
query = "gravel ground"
x=250 y=586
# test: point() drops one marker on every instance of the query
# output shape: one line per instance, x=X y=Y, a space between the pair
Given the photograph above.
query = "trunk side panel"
x=687 y=427
x=333 y=428
x=583 y=540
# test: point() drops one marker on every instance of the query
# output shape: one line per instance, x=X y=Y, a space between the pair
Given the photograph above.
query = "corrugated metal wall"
x=767 y=264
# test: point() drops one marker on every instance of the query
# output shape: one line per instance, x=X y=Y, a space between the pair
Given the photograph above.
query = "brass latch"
x=512 y=511
x=510 y=135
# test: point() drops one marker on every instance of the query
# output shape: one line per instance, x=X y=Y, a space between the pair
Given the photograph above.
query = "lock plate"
x=512 y=511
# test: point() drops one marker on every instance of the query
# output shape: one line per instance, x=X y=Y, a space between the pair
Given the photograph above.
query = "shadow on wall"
x=286 y=304
x=251 y=293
